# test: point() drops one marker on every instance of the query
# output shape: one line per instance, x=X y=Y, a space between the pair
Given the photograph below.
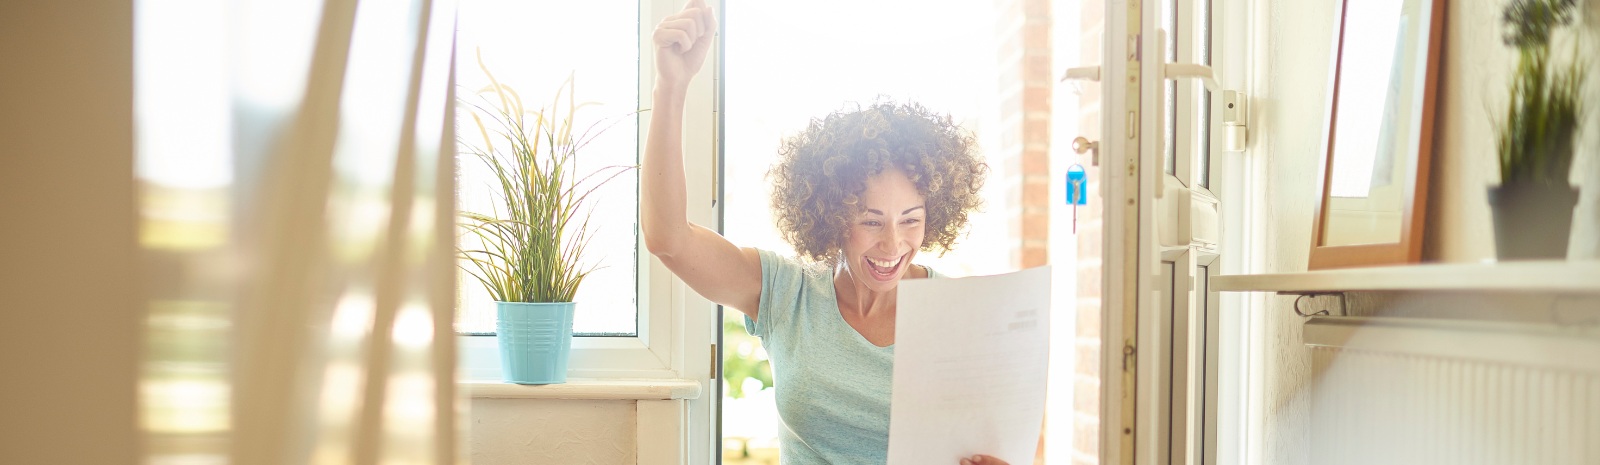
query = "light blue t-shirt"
x=832 y=385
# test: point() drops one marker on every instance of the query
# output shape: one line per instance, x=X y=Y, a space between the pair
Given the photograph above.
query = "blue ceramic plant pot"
x=535 y=341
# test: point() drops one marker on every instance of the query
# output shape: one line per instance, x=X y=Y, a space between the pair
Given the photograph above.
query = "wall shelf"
x=1536 y=276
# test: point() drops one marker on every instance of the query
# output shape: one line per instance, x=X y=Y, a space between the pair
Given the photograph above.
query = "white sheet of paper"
x=970 y=360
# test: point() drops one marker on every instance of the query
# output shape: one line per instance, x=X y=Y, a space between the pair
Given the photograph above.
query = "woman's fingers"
x=685 y=28
x=690 y=26
x=703 y=20
x=699 y=16
x=709 y=20
x=673 y=38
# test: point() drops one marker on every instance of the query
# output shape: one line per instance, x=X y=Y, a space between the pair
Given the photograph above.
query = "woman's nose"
x=890 y=240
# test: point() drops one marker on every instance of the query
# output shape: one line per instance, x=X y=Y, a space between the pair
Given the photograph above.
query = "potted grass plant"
x=528 y=251
x=1533 y=204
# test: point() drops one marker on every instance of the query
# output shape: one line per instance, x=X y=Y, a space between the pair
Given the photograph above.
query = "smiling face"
x=882 y=240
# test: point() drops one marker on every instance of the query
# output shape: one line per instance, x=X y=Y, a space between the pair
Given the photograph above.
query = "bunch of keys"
x=1077 y=180
x=1077 y=192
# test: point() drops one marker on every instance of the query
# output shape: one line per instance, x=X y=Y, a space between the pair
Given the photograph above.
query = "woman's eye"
x=870 y=223
x=912 y=221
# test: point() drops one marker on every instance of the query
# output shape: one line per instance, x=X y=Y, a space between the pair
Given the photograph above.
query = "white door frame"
x=1162 y=349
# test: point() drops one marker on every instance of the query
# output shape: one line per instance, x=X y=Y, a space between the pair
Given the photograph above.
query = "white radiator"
x=1416 y=391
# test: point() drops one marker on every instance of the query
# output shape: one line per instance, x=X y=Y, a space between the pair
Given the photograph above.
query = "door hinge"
x=1235 y=111
x=716 y=361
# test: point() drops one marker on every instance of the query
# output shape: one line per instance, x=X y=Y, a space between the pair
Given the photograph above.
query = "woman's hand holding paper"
x=982 y=460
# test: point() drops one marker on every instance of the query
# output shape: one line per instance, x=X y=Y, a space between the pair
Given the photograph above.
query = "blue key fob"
x=1077 y=186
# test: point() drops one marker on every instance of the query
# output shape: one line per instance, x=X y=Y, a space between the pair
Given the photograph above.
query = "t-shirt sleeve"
x=782 y=279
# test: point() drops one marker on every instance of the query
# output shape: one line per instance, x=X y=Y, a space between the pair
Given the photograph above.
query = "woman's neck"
x=857 y=298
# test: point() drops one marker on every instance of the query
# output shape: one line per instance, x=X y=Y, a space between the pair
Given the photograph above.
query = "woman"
x=858 y=194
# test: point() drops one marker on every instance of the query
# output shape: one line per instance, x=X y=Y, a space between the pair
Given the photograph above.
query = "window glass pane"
x=185 y=169
x=1205 y=139
x=1208 y=371
x=1169 y=21
x=533 y=47
x=1203 y=8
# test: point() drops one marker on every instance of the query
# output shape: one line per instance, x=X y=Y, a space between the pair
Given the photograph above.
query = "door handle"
x=1232 y=115
x=1084 y=73
x=1175 y=71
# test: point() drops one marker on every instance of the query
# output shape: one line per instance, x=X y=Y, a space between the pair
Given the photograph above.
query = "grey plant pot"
x=1532 y=221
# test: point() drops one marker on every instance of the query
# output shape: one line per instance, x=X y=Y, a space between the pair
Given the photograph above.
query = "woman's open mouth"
x=885 y=269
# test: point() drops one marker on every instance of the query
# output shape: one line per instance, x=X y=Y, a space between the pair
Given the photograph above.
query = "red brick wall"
x=1024 y=158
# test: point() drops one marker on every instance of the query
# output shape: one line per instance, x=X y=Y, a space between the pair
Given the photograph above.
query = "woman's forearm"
x=663 y=203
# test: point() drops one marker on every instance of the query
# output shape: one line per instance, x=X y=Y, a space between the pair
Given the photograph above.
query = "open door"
x=1149 y=239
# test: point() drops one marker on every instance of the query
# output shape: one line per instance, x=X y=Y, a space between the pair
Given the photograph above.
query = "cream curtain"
x=301 y=297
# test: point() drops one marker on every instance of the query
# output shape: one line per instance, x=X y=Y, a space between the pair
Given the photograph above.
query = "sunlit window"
x=1364 y=90
x=534 y=47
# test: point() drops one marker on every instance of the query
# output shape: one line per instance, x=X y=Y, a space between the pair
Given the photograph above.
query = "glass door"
x=1188 y=239
x=1152 y=213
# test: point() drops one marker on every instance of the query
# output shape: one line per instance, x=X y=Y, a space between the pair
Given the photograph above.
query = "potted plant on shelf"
x=1533 y=204
x=529 y=248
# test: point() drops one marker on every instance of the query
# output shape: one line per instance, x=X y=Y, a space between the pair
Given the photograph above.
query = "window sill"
x=1578 y=277
x=592 y=358
x=588 y=389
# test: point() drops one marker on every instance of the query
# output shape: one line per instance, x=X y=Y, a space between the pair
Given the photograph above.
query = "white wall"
x=1475 y=68
x=70 y=323
x=577 y=432
x=1290 y=66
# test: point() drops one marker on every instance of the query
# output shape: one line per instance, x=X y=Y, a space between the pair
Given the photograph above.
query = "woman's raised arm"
x=707 y=262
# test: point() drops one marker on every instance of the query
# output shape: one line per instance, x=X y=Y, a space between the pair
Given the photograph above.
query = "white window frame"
x=1241 y=383
x=1233 y=429
x=677 y=328
x=666 y=308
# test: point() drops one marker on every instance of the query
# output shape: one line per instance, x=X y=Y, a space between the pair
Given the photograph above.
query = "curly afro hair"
x=822 y=171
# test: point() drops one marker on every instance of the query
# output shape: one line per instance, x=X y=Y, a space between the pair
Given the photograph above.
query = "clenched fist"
x=682 y=42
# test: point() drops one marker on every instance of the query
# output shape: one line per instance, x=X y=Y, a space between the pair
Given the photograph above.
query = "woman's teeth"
x=884 y=266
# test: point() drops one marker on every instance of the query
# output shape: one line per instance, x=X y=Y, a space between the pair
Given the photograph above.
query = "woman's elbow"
x=660 y=243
